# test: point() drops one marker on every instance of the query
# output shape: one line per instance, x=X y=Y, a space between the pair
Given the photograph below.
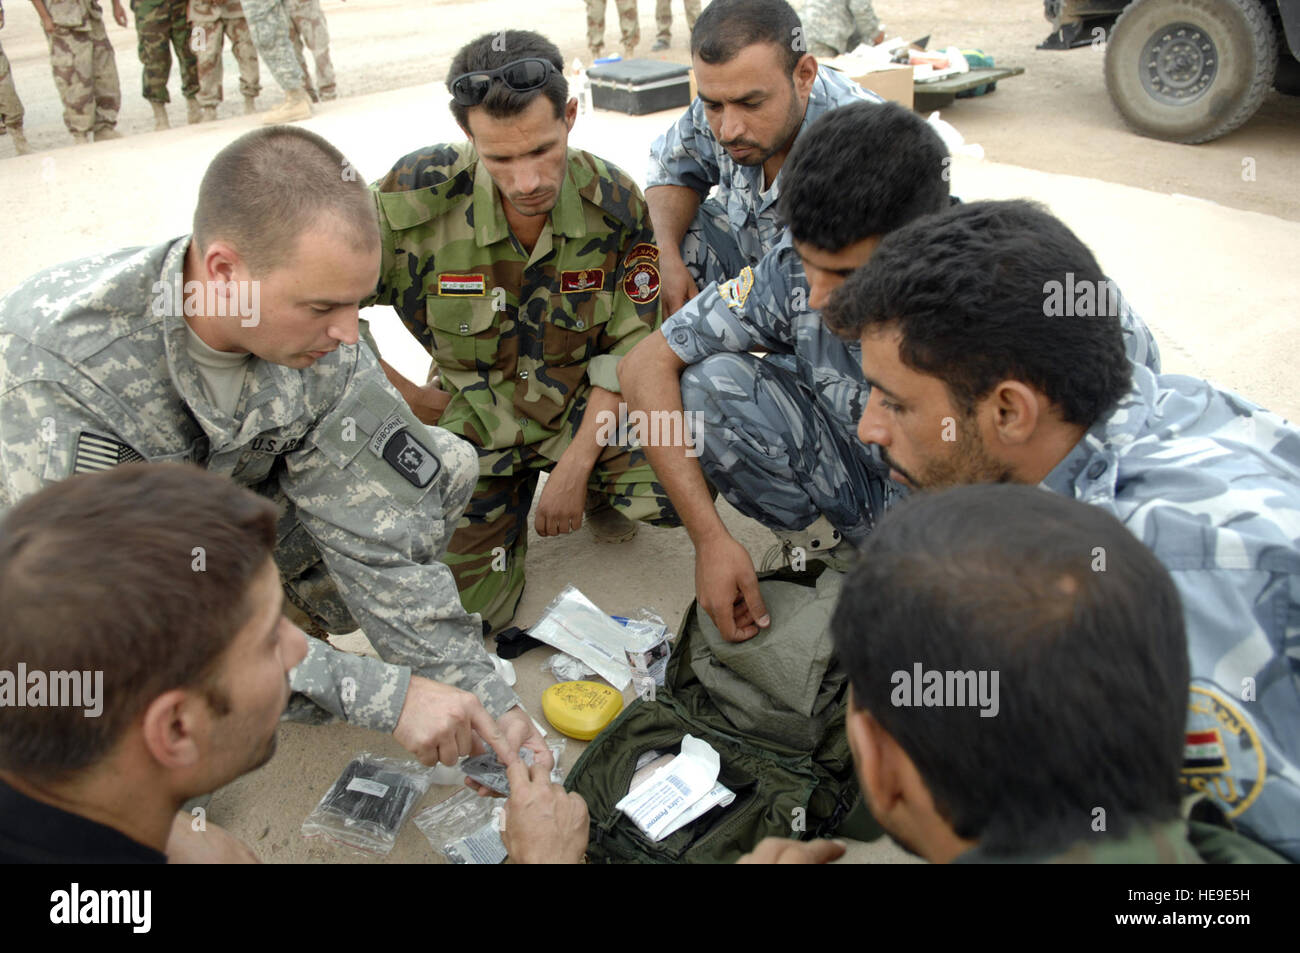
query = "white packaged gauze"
x=679 y=792
x=574 y=624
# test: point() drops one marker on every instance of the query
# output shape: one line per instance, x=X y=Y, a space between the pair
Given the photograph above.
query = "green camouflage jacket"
x=518 y=339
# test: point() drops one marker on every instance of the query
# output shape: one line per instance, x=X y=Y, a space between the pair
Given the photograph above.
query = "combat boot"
x=20 y=141
x=796 y=548
x=597 y=52
x=607 y=524
x=107 y=132
x=250 y=105
x=296 y=106
x=660 y=45
x=160 y=120
x=193 y=111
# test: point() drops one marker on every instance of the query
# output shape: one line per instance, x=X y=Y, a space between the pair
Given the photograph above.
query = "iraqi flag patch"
x=1204 y=751
x=462 y=286
x=96 y=452
x=575 y=282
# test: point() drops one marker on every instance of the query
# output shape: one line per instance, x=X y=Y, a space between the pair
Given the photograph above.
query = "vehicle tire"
x=1190 y=70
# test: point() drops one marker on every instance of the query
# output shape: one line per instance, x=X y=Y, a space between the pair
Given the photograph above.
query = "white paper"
x=657 y=805
x=365 y=786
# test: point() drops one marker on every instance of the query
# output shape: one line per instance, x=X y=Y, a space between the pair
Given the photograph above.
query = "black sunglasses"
x=470 y=89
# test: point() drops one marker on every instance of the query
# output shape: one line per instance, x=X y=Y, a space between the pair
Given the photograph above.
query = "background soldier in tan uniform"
x=85 y=72
x=161 y=26
x=664 y=21
x=211 y=20
x=627 y=23
x=309 y=27
x=11 y=107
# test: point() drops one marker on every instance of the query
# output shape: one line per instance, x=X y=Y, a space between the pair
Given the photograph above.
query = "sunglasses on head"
x=470 y=89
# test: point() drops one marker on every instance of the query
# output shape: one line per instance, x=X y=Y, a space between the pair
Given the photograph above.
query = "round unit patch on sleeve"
x=641 y=282
x=1222 y=756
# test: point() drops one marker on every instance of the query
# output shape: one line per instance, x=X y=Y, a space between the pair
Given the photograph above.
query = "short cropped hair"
x=969 y=290
x=493 y=50
x=141 y=572
x=1083 y=626
x=861 y=170
x=726 y=27
x=267 y=187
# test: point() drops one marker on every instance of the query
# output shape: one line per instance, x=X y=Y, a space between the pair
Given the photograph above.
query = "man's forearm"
x=650 y=377
x=672 y=209
x=587 y=445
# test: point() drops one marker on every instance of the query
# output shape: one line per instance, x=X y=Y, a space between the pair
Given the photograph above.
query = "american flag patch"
x=96 y=452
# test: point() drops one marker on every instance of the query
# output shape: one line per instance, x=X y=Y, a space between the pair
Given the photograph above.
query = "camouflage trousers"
x=212 y=21
x=269 y=23
x=161 y=26
x=627 y=23
x=776 y=452
x=709 y=249
x=487 y=551
x=85 y=74
x=664 y=17
x=309 y=27
x=11 y=107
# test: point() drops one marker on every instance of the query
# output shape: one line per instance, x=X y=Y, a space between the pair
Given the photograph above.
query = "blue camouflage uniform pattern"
x=1211 y=484
x=93 y=371
x=739 y=224
x=780 y=432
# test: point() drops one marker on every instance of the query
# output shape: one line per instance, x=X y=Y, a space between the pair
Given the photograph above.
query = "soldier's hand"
x=544 y=824
x=563 y=500
x=212 y=845
x=438 y=724
x=779 y=850
x=119 y=14
x=47 y=24
x=517 y=731
x=727 y=587
x=429 y=403
x=676 y=286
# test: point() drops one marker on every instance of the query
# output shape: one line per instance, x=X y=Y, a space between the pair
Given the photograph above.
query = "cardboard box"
x=893 y=82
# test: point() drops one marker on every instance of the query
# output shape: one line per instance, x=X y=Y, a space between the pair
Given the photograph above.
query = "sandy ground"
x=1204 y=272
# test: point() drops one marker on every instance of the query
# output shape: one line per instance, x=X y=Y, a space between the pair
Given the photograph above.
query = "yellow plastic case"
x=581 y=709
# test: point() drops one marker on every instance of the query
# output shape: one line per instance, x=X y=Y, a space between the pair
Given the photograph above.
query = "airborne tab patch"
x=573 y=282
x=462 y=286
x=96 y=452
x=643 y=251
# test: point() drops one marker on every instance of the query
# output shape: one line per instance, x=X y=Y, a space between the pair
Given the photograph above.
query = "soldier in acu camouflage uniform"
x=85 y=72
x=162 y=26
x=832 y=27
x=112 y=359
x=212 y=19
x=526 y=280
x=780 y=431
x=627 y=23
x=1032 y=392
x=11 y=107
x=272 y=30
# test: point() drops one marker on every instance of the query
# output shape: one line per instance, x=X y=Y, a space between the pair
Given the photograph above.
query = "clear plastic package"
x=465 y=828
x=488 y=770
x=575 y=625
x=365 y=808
x=566 y=668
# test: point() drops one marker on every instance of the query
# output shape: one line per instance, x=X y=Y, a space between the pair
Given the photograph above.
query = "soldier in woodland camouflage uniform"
x=310 y=29
x=832 y=27
x=11 y=107
x=161 y=24
x=1031 y=385
x=85 y=72
x=212 y=20
x=525 y=330
x=627 y=24
x=102 y=362
x=664 y=21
